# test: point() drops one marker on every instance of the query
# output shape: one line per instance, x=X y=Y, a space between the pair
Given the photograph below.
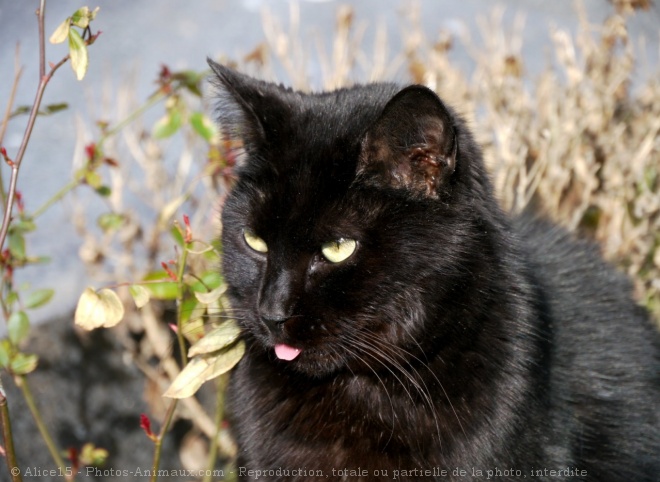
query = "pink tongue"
x=286 y=352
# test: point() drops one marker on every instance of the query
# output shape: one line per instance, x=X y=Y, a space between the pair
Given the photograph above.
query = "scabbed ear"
x=412 y=145
x=249 y=110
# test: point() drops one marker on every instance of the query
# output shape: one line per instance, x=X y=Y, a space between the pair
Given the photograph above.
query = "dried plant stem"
x=220 y=385
x=42 y=39
x=10 y=102
x=179 y=307
x=18 y=71
x=10 y=453
x=153 y=100
x=192 y=409
x=56 y=197
x=182 y=347
x=22 y=383
x=159 y=440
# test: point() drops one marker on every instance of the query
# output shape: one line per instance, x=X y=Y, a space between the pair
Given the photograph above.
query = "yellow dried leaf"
x=189 y=380
x=61 y=33
x=211 y=296
x=170 y=209
x=216 y=339
x=203 y=368
x=78 y=54
x=225 y=360
x=98 y=309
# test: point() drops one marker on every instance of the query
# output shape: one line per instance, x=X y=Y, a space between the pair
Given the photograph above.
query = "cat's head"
x=352 y=222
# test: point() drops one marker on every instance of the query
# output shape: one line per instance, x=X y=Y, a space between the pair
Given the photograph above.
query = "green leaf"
x=96 y=309
x=190 y=80
x=214 y=254
x=39 y=298
x=110 y=221
x=61 y=32
x=203 y=368
x=20 y=110
x=53 y=108
x=93 y=456
x=5 y=353
x=176 y=235
x=24 y=226
x=38 y=259
x=168 y=126
x=140 y=295
x=93 y=179
x=10 y=299
x=216 y=339
x=192 y=319
x=213 y=278
x=22 y=363
x=104 y=191
x=209 y=281
x=18 y=327
x=78 y=54
x=17 y=245
x=203 y=126
x=191 y=310
x=81 y=17
x=48 y=110
x=167 y=289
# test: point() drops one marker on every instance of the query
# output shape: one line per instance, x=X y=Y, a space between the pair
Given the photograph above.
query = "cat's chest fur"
x=397 y=320
x=348 y=421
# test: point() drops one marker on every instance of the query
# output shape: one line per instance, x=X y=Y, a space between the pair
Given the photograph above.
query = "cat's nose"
x=277 y=297
x=273 y=321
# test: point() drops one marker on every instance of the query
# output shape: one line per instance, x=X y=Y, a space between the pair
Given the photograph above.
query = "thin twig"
x=220 y=385
x=68 y=187
x=154 y=99
x=179 y=305
x=22 y=383
x=42 y=39
x=159 y=440
x=10 y=453
x=18 y=71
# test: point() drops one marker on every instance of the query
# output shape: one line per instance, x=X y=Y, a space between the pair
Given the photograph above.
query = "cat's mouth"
x=286 y=352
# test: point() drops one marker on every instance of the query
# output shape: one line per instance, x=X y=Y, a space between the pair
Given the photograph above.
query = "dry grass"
x=577 y=141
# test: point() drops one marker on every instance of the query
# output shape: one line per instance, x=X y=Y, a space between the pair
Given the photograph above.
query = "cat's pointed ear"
x=246 y=107
x=412 y=145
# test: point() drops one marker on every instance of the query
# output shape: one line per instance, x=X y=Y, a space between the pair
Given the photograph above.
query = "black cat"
x=399 y=325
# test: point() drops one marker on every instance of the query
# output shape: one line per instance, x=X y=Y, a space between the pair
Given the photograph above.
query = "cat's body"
x=398 y=324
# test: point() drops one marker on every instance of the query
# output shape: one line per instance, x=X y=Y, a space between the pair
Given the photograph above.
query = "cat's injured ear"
x=412 y=145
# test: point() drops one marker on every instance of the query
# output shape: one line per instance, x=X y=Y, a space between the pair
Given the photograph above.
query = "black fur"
x=453 y=339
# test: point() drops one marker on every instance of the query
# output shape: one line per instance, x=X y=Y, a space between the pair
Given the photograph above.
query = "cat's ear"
x=248 y=109
x=412 y=145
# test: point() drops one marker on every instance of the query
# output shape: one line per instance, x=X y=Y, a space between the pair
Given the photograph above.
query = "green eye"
x=255 y=242
x=338 y=251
